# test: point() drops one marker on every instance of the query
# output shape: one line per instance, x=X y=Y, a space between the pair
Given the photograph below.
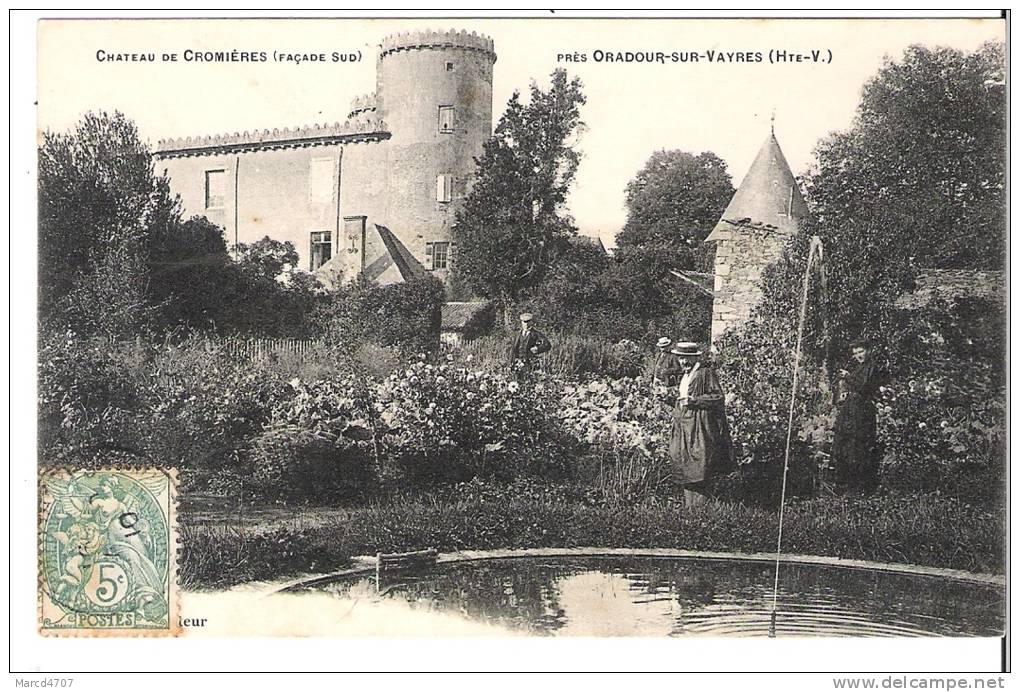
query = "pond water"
x=631 y=596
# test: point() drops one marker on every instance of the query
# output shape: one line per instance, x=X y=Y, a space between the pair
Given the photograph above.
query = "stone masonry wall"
x=740 y=257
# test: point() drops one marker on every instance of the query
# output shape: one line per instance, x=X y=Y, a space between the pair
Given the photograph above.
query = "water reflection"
x=618 y=596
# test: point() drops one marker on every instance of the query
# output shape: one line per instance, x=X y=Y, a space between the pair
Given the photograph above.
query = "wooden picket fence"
x=260 y=347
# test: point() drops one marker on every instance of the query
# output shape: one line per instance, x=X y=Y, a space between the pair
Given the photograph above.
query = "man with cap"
x=700 y=446
x=667 y=368
x=528 y=343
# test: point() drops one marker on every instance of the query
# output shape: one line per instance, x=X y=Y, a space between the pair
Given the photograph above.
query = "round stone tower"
x=434 y=92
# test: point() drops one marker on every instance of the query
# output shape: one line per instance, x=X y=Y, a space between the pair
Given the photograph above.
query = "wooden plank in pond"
x=396 y=562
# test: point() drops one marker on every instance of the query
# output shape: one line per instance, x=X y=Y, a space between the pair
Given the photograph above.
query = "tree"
x=117 y=259
x=513 y=221
x=190 y=275
x=267 y=258
x=99 y=206
x=629 y=295
x=917 y=181
x=675 y=200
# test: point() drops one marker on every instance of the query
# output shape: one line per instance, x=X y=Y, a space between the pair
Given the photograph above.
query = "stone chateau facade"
x=375 y=195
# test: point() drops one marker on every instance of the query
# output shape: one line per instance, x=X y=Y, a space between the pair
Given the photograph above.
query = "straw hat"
x=686 y=348
x=663 y=342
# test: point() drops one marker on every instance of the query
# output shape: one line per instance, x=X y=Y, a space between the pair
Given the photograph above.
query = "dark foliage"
x=674 y=201
x=513 y=222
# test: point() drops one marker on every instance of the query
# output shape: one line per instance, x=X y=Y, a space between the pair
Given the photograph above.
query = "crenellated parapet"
x=362 y=104
x=422 y=40
x=362 y=128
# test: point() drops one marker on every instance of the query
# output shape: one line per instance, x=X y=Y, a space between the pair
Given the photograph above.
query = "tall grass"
x=923 y=529
x=572 y=354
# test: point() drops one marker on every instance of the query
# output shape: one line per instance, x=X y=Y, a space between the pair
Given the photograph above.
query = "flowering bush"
x=445 y=422
x=942 y=414
x=625 y=413
x=757 y=375
x=938 y=435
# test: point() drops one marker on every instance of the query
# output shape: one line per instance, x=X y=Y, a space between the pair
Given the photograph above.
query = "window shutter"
x=452 y=255
x=444 y=188
x=428 y=256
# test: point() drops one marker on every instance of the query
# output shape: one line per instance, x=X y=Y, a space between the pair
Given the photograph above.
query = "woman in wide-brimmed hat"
x=855 y=453
x=700 y=446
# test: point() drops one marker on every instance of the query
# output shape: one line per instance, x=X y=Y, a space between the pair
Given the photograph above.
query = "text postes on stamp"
x=107 y=549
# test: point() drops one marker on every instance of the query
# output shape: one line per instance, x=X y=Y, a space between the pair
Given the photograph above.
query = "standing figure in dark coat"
x=855 y=441
x=528 y=344
x=667 y=368
x=700 y=446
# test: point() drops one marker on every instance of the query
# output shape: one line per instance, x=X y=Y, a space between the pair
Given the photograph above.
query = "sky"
x=632 y=110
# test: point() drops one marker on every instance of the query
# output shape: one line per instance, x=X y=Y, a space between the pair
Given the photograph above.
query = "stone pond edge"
x=366 y=564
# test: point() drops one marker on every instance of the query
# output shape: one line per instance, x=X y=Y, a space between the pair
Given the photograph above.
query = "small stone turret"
x=766 y=210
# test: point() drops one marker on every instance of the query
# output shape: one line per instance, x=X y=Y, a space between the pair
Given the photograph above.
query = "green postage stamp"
x=107 y=552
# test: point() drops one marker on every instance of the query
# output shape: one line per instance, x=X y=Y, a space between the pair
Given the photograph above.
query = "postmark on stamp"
x=107 y=552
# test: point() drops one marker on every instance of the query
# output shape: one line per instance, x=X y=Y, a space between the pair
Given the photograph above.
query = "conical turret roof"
x=768 y=196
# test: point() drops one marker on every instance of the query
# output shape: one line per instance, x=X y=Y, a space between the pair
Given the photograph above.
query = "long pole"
x=815 y=244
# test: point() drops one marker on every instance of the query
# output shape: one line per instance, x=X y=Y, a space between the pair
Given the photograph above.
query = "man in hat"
x=667 y=368
x=528 y=343
x=700 y=446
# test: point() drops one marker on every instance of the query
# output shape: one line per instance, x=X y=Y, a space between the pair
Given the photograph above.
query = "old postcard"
x=615 y=327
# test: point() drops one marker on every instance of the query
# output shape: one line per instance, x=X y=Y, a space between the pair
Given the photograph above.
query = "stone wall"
x=741 y=254
x=274 y=191
x=418 y=74
x=950 y=284
x=383 y=163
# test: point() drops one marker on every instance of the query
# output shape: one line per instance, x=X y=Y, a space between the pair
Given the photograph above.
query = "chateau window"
x=444 y=188
x=321 y=249
x=215 y=189
x=438 y=255
x=449 y=66
x=320 y=180
x=446 y=119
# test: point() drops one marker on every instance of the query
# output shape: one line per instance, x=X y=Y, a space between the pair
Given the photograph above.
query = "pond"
x=677 y=597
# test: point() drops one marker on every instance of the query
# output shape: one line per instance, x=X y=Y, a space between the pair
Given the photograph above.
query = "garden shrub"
x=627 y=424
x=87 y=401
x=942 y=412
x=405 y=315
x=319 y=443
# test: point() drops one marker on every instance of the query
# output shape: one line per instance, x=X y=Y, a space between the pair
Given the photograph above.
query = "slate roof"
x=768 y=198
x=396 y=257
x=409 y=267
